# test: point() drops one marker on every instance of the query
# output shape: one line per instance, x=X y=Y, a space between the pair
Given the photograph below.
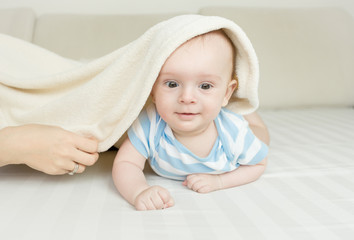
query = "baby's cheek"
x=165 y=113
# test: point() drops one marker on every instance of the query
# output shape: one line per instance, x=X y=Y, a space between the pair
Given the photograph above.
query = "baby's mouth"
x=186 y=115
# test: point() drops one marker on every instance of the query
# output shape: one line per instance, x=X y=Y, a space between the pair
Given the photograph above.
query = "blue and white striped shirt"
x=235 y=145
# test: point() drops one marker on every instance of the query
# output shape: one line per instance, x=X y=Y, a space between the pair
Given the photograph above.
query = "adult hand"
x=49 y=149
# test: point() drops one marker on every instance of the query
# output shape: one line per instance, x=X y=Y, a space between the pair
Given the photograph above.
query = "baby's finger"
x=197 y=185
x=190 y=177
x=192 y=181
x=204 y=189
x=157 y=202
x=140 y=206
x=149 y=204
x=166 y=198
x=144 y=203
x=170 y=203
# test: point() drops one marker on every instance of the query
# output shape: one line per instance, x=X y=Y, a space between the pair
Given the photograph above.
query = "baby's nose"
x=187 y=96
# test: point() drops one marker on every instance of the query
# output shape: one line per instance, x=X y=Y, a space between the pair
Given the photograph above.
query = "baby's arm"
x=130 y=181
x=258 y=127
x=204 y=183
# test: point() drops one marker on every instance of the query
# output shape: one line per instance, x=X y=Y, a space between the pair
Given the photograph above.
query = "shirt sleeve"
x=139 y=133
x=254 y=150
x=240 y=144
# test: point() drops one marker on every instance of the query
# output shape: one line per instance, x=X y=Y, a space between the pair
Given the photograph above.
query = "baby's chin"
x=190 y=129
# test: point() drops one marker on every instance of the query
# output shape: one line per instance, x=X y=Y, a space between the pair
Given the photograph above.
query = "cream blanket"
x=103 y=97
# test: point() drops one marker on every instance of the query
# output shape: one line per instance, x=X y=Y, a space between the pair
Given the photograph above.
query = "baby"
x=186 y=133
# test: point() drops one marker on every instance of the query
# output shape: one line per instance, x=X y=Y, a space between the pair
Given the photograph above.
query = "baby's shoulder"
x=149 y=114
x=230 y=118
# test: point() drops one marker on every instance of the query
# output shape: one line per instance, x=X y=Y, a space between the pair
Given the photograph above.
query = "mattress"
x=307 y=192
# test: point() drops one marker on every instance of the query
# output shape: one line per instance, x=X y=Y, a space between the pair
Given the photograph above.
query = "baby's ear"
x=152 y=97
x=232 y=86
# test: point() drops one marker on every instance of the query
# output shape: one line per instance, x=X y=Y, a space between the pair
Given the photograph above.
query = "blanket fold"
x=103 y=97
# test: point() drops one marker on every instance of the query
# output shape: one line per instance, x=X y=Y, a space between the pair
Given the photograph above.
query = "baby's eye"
x=205 y=86
x=171 y=84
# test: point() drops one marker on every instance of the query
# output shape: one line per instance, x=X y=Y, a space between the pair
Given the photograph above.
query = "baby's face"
x=194 y=83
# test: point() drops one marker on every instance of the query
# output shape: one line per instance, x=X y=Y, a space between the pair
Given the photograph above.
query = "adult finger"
x=84 y=158
x=76 y=168
x=81 y=169
x=86 y=144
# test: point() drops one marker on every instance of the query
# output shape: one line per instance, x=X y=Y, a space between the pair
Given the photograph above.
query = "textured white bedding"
x=307 y=192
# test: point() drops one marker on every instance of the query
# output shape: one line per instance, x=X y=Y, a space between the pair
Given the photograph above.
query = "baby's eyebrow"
x=206 y=75
x=166 y=73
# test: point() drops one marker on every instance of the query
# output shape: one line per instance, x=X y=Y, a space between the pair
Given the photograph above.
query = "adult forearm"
x=7 y=147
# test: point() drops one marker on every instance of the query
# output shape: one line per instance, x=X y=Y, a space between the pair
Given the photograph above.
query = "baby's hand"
x=203 y=183
x=153 y=198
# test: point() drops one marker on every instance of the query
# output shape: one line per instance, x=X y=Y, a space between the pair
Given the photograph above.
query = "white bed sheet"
x=307 y=192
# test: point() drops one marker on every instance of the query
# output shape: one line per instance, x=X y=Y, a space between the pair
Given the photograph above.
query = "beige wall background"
x=160 y=6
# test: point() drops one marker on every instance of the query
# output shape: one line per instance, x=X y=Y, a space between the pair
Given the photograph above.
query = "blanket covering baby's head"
x=103 y=97
x=175 y=31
